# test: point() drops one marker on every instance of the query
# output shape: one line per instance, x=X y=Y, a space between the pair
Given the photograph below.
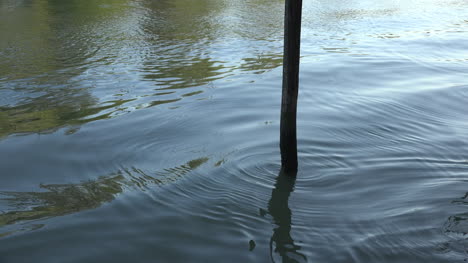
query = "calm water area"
x=148 y=131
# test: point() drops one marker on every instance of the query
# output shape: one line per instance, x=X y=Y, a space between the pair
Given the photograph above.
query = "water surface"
x=148 y=130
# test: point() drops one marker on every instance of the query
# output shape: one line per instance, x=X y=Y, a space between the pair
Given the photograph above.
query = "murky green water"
x=147 y=131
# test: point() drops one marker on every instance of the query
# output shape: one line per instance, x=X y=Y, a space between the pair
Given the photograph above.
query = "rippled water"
x=148 y=131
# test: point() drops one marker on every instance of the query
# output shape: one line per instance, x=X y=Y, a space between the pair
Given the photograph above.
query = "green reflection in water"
x=62 y=199
x=46 y=44
x=41 y=115
x=40 y=37
x=262 y=63
x=50 y=50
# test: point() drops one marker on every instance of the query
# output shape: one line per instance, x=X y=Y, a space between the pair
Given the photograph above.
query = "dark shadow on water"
x=456 y=230
x=278 y=207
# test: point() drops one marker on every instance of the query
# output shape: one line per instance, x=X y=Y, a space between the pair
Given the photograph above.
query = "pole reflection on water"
x=278 y=208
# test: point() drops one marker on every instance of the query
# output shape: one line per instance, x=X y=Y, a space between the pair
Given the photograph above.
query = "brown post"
x=292 y=39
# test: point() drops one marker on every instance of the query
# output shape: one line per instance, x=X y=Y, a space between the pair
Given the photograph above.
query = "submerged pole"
x=292 y=40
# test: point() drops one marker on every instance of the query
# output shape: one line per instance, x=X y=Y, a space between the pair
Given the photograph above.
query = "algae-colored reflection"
x=62 y=199
x=36 y=38
x=262 y=63
x=43 y=115
x=45 y=46
x=189 y=46
x=56 y=54
x=178 y=57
